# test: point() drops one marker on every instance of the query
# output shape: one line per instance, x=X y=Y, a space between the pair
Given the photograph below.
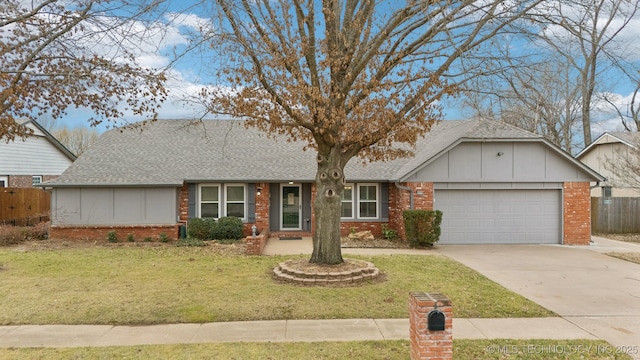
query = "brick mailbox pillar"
x=430 y=326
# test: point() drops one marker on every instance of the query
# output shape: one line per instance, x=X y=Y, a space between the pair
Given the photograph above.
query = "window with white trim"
x=35 y=180
x=4 y=181
x=235 y=200
x=347 y=202
x=367 y=201
x=210 y=201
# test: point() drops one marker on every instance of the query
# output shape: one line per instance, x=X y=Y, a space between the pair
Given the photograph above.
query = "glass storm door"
x=291 y=207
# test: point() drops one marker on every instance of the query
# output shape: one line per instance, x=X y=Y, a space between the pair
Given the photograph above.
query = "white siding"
x=601 y=158
x=36 y=155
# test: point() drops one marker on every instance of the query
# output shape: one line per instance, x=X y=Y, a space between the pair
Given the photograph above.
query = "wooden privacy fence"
x=24 y=206
x=616 y=215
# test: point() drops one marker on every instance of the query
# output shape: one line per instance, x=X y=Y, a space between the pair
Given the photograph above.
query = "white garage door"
x=499 y=216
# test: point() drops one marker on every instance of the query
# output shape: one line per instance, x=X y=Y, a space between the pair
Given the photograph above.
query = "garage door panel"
x=472 y=209
x=473 y=222
x=499 y=216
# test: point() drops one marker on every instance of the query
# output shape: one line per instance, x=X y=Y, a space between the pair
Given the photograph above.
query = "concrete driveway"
x=594 y=291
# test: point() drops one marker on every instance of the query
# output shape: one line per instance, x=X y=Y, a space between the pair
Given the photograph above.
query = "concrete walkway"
x=277 y=331
x=572 y=281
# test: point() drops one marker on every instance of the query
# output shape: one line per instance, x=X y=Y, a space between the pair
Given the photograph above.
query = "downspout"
x=410 y=190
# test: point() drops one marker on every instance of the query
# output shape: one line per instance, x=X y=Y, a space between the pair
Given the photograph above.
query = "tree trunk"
x=327 y=207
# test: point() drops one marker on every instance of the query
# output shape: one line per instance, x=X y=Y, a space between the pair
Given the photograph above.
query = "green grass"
x=388 y=350
x=157 y=285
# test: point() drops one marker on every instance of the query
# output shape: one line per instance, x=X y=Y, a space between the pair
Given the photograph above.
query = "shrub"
x=164 y=238
x=422 y=227
x=11 y=235
x=200 y=228
x=130 y=238
x=39 y=231
x=387 y=233
x=148 y=239
x=228 y=228
x=112 y=237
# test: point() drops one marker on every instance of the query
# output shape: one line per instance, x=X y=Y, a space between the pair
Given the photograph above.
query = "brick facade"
x=426 y=343
x=262 y=207
x=261 y=214
x=26 y=181
x=183 y=204
x=255 y=245
x=140 y=232
x=577 y=213
x=400 y=200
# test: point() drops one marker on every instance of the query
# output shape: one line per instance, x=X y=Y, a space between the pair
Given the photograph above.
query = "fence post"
x=430 y=334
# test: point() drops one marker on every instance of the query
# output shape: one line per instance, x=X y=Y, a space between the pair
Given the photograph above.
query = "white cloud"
x=624 y=24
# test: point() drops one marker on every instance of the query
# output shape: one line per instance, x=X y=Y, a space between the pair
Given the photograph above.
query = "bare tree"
x=583 y=33
x=549 y=83
x=57 y=54
x=543 y=99
x=350 y=78
x=629 y=113
x=77 y=139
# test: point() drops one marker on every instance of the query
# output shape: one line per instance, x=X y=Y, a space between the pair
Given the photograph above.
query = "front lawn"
x=167 y=284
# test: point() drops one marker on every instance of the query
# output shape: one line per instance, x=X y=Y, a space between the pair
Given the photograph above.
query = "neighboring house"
x=495 y=184
x=613 y=151
x=37 y=158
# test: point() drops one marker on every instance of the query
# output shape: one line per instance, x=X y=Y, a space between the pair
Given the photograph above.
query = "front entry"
x=290 y=208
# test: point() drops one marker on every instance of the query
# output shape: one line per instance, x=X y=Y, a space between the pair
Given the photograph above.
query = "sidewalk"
x=278 y=331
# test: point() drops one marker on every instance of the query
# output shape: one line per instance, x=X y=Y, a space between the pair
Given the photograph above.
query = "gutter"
x=410 y=190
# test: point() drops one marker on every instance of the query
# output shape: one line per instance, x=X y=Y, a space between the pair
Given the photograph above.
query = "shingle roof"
x=169 y=152
x=629 y=138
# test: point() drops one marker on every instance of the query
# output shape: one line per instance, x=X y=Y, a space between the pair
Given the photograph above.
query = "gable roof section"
x=169 y=152
x=41 y=131
x=630 y=139
x=451 y=133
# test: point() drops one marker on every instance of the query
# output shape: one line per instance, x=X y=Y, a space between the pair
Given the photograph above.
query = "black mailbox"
x=435 y=320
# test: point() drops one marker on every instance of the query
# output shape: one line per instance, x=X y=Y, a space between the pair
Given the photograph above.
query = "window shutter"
x=251 y=203
x=384 y=201
x=192 y=201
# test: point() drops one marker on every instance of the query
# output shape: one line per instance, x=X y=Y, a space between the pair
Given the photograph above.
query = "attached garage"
x=500 y=216
x=496 y=187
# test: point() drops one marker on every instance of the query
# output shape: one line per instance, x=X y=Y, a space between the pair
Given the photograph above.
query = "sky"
x=189 y=75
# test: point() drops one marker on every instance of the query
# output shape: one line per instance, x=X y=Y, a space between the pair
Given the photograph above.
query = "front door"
x=291 y=208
